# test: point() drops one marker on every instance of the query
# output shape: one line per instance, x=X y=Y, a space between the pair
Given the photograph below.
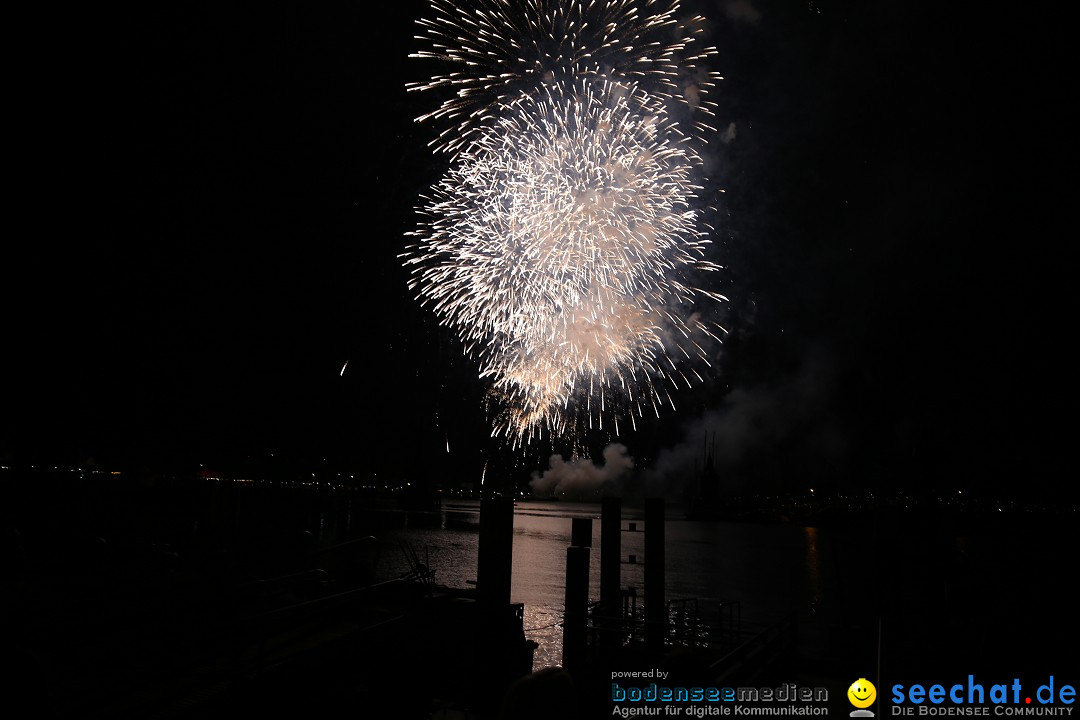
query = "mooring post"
x=576 y=610
x=581 y=532
x=655 y=608
x=610 y=570
x=495 y=554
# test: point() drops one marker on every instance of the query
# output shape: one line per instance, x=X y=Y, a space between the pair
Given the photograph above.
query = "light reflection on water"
x=769 y=569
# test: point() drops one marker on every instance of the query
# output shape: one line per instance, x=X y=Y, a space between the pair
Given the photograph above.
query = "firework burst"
x=493 y=51
x=565 y=245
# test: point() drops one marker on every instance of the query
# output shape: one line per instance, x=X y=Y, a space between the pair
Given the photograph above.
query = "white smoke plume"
x=743 y=11
x=751 y=427
x=728 y=135
x=580 y=477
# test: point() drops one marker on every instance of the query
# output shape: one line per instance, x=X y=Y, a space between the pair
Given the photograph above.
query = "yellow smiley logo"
x=862 y=693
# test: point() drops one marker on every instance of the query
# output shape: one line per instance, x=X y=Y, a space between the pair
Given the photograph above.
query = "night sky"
x=210 y=203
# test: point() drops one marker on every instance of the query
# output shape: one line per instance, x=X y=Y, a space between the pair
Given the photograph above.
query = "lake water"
x=988 y=589
x=770 y=569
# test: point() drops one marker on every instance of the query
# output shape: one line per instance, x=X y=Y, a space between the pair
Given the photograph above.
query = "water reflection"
x=756 y=565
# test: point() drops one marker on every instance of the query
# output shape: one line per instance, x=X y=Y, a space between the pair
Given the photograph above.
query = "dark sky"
x=210 y=204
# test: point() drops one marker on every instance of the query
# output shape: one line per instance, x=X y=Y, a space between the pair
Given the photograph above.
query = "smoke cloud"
x=744 y=11
x=580 y=477
x=728 y=135
x=767 y=435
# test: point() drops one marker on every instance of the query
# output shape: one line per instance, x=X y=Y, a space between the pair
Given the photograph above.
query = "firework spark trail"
x=564 y=244
x=499 y=49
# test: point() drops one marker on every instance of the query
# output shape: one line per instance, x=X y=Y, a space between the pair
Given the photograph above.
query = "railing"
x=729 y=624
x=748 y=659
x=417 y=570
x=684 y=625
x=739 y=658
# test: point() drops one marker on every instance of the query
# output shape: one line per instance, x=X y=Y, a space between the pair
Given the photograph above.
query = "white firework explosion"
x=495 y=50
x=566 y=243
